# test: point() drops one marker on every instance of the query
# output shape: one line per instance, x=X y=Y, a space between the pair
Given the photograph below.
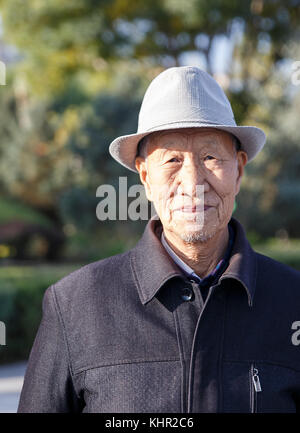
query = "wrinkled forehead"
x=181 y=138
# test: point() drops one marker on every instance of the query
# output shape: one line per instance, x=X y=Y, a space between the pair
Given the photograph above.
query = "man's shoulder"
x=88 y=278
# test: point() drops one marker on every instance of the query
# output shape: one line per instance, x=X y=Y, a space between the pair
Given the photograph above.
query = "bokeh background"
x=76 y=72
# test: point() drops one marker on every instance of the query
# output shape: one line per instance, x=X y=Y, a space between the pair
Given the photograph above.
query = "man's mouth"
x=192 y=209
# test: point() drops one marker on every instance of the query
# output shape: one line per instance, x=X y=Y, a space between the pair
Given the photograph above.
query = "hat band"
x=182 y=122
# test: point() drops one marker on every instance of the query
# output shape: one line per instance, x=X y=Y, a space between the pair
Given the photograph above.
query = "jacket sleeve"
x=48 y=385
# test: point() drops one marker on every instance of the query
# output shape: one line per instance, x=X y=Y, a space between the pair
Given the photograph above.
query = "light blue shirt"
x=186 y=269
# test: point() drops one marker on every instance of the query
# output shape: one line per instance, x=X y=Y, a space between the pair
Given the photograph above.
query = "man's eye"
x=173 y=159
x=210 y=157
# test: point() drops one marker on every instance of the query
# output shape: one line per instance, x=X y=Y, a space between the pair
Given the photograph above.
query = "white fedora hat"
x=184 y=97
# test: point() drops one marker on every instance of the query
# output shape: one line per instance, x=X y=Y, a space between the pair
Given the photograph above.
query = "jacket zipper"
x=255 y=387
x=190 y=373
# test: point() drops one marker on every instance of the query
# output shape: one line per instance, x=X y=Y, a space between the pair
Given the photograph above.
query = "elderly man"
x=191 y=319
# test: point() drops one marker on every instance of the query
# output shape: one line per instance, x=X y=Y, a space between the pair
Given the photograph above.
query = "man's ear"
x=141 y=166
x=242 y=159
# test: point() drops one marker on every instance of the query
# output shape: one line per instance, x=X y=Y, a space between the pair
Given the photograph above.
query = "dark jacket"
x=119 y=335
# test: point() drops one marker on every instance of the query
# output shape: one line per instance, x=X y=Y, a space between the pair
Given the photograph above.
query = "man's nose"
x=191 y=175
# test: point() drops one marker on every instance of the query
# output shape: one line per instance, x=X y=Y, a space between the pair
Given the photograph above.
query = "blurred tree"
x=85 y=66
x=269 y=198
x=106 y=113
x=59 y=39
x=34 y=162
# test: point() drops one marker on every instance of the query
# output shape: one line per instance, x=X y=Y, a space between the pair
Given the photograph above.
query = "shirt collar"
x=152 y=265
x=185 y=267
x=189 y=271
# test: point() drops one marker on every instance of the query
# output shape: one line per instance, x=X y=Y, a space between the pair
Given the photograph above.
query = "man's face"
x=192 y=177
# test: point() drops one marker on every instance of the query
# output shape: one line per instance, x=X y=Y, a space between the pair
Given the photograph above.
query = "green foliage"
x=284 y=250
x=60 y=38
x=83 y=70
x=269 y=197
x=21 y=293
x=87 y=246
x=11 y=210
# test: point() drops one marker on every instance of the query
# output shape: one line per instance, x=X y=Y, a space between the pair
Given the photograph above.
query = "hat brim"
x=123 y=149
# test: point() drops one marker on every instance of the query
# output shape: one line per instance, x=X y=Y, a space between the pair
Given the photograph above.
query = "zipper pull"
x=256 y=381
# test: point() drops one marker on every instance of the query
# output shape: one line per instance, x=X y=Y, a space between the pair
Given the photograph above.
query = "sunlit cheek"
x=155 y=180
x=224 y=180
x=226 y=189
x=163 y=197
x=226 y=192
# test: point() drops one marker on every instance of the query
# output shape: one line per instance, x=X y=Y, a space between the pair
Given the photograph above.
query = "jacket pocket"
x=153 y=386
x=259 y=386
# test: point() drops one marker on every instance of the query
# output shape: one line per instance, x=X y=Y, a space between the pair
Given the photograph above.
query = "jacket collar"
x=152 y=266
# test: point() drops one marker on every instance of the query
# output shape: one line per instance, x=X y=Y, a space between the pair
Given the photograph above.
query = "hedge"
x=21 y=293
